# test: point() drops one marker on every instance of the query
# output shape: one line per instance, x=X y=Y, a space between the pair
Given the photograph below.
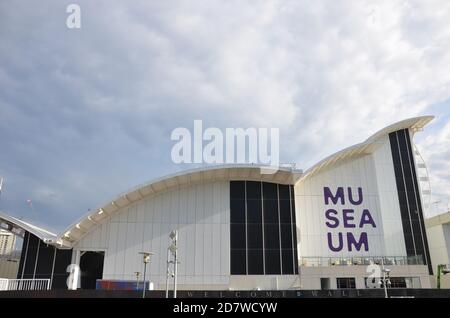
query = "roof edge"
x=64 y=236
x=41 y=233
x=415 y=123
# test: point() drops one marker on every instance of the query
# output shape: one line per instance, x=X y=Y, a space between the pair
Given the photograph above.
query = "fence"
x=348 y=261
x=24 y=284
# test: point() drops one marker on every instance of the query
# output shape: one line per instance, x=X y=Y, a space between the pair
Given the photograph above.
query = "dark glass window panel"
x=63 y=259
x=401 y=140
x=397 y=282
x=395 y=141
x=411 y=251
x=237 y=211
x=294 y=229
x=286 y=236
x=406 y=226
x=409 y=245
x=237 y=236
x=237 y=201
x=346 y=283
x=238 y=264
x=271 y=211
x=45 y=261
x=271 y=236
x=416 y=226
x=237 y=190
x=292 y=204
x=270 y=191
x=419 y=243
x=270 y=203
x=33 y=244
x=287 y=258
x=272 y=261
x=412 y=205
x=254 y=236
x=254 y=202
x=254 y=211
x=325 y=283
x=255 y=239
x=255 y=262
x=253 y=190
x=285 y=204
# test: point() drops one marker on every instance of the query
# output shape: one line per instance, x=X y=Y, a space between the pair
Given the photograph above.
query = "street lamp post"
x=386 y=272
x=137 y=279
x=174 y=249
x=168 y=273
x=146 y=260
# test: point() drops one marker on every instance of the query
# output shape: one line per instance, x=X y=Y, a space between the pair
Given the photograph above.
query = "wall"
x=200 y=212
x=8 y=267
x=375 y=175
x=438 y=244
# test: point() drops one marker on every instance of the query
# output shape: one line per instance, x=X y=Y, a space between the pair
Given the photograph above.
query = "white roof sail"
x=18 y=227
x=77 y=230
x=368 y=146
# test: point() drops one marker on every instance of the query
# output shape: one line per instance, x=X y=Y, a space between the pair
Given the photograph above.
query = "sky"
x=86 y=114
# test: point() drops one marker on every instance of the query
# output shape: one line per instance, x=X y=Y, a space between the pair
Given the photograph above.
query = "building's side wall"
x=374 y=175
x=438 y=245
x=8 y=267
x=200 y=213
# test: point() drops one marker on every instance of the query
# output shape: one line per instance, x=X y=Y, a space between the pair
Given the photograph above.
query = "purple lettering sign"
x=348 y=216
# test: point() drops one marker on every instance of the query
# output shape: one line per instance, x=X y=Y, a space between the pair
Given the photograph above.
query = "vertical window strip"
x=246 y=231
x=279 y=229
x=426 y=253
x=262 y=226
x=406 y=191
x=277 y=210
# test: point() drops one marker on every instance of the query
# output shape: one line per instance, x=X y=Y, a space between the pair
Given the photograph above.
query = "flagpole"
x=1 y=186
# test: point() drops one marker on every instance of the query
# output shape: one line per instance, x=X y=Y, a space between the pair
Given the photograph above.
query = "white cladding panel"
x=200 y=212
x=373 y=173
x=391 y=219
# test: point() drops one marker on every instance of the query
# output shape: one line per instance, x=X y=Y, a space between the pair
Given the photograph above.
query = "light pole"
x=146 y=259
x=173 y=249
x=137 y=279
x=386 y=272
x=168 y=274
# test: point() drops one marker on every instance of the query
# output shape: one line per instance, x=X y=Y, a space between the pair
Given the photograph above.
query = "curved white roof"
x=211 y=173
x=368 y=146
x=18 y=227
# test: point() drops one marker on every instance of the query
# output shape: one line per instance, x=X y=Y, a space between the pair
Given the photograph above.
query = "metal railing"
x=24 y=284
x=352 y=261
